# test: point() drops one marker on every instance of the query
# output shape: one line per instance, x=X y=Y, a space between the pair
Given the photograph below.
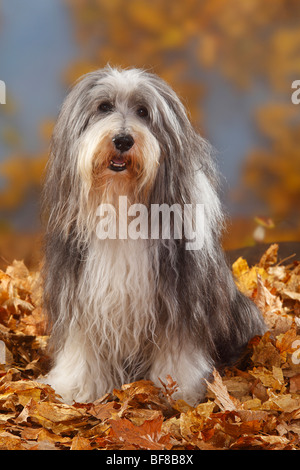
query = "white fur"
x=116 y=315
x=188 y=366
x=115 y=319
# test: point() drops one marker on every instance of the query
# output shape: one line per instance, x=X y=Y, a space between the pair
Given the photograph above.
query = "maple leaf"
x=146 y=436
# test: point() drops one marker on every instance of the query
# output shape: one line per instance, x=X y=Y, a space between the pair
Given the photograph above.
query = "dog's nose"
x=123 y=142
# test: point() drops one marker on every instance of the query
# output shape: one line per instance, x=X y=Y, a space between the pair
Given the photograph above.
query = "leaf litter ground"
x=254 y=405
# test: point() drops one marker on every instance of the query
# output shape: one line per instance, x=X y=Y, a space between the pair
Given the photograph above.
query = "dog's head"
x=117 y=127
x=120 y=133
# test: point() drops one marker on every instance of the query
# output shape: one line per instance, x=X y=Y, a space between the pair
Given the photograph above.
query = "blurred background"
x=232 y=62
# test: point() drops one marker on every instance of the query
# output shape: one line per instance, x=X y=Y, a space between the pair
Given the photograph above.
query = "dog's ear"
x=191 y=152
x=60 y=176
x=172 y=108
x=75 y=111
x=71 y=122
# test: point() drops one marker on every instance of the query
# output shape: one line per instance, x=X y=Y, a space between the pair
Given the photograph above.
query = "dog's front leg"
x=74 y=376
x=187 y=365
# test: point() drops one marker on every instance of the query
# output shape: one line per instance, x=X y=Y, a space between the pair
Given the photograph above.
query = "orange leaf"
x=146 y=436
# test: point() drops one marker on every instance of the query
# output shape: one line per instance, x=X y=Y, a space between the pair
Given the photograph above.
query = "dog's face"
x=118 y=151
x=120 y=125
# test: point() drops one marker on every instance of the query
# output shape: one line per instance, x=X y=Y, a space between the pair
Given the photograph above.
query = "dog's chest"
x=117 y=289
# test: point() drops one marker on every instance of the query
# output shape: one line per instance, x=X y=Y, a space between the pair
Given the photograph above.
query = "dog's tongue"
x=118 y=163
x=118 y=159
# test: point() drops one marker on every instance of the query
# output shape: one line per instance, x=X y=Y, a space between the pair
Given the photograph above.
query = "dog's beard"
x=107 y=174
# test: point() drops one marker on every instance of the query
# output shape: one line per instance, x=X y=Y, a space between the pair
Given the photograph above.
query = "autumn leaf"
x=246 y=278
x=145 y=436
x=220 y=391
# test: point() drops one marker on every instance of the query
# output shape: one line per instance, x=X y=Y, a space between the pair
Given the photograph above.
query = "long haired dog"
x=122 y=308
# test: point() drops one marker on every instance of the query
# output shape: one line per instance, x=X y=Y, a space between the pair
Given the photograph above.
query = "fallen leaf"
x=268 y=378
x=146 y=436
x=10 y=442
x=104 y=411
x=59 y=418
x=295 y=384
x=269 y=257
x=223 y=400
x=80 y=443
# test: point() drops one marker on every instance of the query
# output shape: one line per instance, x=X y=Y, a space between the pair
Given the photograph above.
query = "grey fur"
x=195 y=297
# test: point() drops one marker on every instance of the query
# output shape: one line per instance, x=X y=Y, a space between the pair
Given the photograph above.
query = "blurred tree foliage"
x=245 y=41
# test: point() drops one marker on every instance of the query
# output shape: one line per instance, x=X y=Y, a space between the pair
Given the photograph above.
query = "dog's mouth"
x=118 y=163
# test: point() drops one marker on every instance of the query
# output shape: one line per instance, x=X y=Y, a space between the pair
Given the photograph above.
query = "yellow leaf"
x=239 y=267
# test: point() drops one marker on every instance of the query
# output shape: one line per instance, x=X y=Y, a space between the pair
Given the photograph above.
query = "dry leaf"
x=223 y=400
x=146 y=436
x=269 y=257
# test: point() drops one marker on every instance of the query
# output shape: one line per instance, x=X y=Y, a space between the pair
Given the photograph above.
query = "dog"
x=124 y=309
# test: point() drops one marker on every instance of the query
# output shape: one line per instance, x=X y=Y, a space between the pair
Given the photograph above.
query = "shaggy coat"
x=123 y=309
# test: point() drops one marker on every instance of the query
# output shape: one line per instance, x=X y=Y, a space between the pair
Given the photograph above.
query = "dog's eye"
x=142 y=112
x=105 y=107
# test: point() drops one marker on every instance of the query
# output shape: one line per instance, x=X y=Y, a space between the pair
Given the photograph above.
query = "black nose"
x=123 y=142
